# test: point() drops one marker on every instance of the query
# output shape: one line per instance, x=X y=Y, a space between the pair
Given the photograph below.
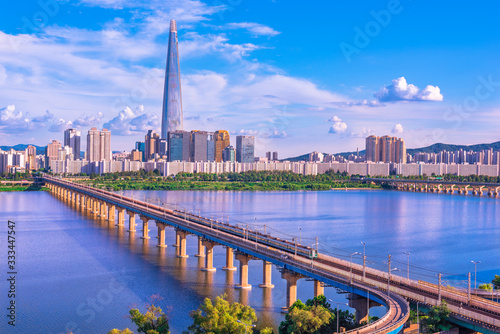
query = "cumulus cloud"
x=60 y=125
x=133 y=122
x=244 y=132
x=338 y=126
x=88 y=120
x=363 y=134
x=400 y=90
x=273 y=133
x=255 y=29
x=15 y=121
x=398 y=128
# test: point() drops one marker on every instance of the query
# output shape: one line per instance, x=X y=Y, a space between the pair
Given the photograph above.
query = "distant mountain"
x=434 y=148
x=22 y=147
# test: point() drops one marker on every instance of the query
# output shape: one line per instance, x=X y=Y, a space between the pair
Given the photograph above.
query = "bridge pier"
x=83 y=199
x=145 y=227
x=362 y=307
x=131 y=220
x=161 y=235
x=201 y=248
x=209 y=258
x=121 y=216
x=111 y=213
x=229 y=259
x=103 y=209
x=181 y=250
x=95 y=206
x=319 y=288
x=243 y=258
x=267 y=269
x=291 y=288
x=177 y=241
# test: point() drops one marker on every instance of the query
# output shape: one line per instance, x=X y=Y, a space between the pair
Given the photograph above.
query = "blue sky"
x=300 y=76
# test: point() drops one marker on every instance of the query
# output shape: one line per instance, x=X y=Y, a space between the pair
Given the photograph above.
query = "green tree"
x=295 y=321
x=436 y=318
x=153 y=321
x=496 y=282
x=222 y=317
x=117 y=331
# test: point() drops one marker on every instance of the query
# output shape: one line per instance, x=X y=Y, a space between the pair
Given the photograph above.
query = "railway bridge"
x=367 y=287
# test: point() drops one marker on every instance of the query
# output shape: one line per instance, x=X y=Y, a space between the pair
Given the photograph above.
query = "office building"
x=245 y=148
x=136 y=155
x=172 y=96
x=222 y=140
x=269 y=156
x=275 y=156
x=229 y=154
x=52 y=151
x=98 y=145
x=179 y=143
x=152 y=145
x=72 y=138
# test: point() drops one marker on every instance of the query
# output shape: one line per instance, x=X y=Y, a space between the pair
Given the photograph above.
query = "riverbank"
x=226 y=185
x=4 y=188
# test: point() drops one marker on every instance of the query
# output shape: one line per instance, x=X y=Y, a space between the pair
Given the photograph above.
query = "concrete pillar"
x=145 y=227
x=161 y=234
x=291 y=288
x=83 y=199
x=181 y=249
x=267 y=268
x=360 y=304
x=201 y=248
x=104 y=209
x=177 y=240
x=209 y=258
x=111 y=213
x=121 y=216
x=88 y=203
x=243 y=258
x=319 y=288
x=131 y=220
x=95 y=206
x=229 y=259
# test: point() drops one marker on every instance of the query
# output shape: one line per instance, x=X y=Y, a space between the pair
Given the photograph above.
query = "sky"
x=299 y=76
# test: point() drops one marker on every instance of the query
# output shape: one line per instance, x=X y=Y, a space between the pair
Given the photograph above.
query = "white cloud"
x=273 y=133
x=398 y=128
x=196 y=45
x=338 y=126
x=3 y=75
x=133 y=122
x=244 y=132
x=400 y=90
x=363 y=134
x=60 y=125
x=255 y=29
x=13 y=121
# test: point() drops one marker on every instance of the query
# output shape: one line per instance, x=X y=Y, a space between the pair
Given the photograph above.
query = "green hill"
x=22 y=147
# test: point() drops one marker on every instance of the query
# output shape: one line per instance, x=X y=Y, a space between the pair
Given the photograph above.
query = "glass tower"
x=172 y=98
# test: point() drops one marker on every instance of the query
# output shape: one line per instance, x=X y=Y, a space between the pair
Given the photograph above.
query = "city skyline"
x=243 y=70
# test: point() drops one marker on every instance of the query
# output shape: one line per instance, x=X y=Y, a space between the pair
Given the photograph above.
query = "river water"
x=76 y=273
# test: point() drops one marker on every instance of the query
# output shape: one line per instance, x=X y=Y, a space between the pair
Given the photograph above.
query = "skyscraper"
x=172 y=98
x=222 y=140
x=179 y=143
x=245 y=149
x=98 y=145
x=72 y=138
x=228 y=154
x=152 y=143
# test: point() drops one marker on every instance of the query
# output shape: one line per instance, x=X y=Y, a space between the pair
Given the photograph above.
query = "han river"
x=82 y=274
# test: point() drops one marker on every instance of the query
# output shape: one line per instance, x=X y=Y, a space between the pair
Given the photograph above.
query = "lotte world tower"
x=172 y=98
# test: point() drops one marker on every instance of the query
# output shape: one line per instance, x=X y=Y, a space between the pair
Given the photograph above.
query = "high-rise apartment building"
x=172 y=96
x=52 y=151
x=269 y=156
x=275 y=156
x=222 y=140
x=245 y=146
x=98 y=145
x=385 y=149
x=72 y=138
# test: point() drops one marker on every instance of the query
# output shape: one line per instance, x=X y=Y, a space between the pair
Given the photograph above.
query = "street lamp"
x=389 y=280
x=338 y=307
x=300 y=234
x=246 y=325
x=475 y=273
x=364 y=259
x=408 y=269
x=350 y=267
